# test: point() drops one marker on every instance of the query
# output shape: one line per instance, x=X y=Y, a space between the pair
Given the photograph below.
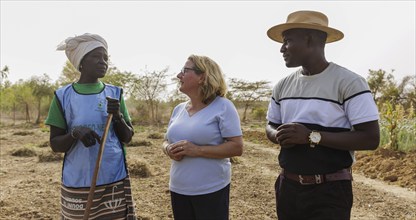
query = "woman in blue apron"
x=77 y=117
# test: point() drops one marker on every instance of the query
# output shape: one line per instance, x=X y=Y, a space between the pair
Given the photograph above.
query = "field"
x=384 y=181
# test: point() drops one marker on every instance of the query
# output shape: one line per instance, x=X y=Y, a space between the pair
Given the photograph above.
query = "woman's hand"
x=113 y=107
x=176 y=151
x=87 y=136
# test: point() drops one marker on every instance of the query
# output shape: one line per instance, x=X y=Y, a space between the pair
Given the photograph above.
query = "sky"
x=153 y=35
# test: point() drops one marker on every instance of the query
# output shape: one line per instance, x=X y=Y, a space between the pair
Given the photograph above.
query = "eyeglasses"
x=184 y=69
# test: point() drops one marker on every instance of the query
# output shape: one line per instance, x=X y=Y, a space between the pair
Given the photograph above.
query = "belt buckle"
x=318 y=180
x=301 y=181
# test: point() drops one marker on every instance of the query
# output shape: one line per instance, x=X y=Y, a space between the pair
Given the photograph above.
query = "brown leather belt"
x=344 y=174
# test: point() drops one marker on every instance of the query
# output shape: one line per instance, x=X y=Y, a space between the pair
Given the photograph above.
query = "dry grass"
x=139 y=169
x=24 y=152
x=44 y=144
x=23 y=133
x=139 y=143
x=155 y=136
x=50 y=157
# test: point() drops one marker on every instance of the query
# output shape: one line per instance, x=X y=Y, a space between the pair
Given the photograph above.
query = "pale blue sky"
x=156 y=34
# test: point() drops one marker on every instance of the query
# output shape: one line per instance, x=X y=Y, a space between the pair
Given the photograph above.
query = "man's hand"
x=292 y=133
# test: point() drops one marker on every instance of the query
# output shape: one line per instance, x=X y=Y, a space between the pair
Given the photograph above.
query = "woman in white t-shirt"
x=203 y=133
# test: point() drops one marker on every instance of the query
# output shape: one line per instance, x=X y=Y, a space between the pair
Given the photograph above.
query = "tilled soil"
x=384 y=181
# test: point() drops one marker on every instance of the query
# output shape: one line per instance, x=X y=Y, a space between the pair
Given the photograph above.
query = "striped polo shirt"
x=333 y=100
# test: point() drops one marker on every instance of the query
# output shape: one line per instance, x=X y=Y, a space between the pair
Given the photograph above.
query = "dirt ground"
x=384 y=181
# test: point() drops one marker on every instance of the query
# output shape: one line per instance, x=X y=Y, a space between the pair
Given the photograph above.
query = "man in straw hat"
x=319 y=115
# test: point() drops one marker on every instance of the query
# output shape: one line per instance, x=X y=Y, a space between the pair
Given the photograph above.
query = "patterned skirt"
x=112 y=201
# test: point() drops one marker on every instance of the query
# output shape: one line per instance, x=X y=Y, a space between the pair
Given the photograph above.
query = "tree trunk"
x=157 y=114
x=38 y=117
x=245 y=111
x=14 y=113
x=27 y=113
x=152 y=111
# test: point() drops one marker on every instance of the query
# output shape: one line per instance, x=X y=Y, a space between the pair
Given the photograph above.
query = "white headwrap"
x=76 y=47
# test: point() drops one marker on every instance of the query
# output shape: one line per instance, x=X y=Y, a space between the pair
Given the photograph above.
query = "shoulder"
x=110 y=86
x=64 y=88
x=344 y=73
x=179 y=107
x=285 y=82
x=222 y=101
x=222 y=105
x=348 y=78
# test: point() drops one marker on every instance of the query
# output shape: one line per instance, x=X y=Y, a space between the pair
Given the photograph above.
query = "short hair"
x=214 y=82
x=320 y=35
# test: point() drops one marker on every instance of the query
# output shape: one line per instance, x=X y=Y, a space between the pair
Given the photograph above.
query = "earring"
x=80 y=67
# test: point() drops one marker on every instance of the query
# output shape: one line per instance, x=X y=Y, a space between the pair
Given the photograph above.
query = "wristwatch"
x=314 y=138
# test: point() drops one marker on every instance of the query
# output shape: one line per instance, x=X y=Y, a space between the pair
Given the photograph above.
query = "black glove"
x=87 y=136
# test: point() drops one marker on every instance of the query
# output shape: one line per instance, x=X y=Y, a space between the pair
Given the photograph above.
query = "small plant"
x=259 y=113
x=235 y=160
x=24 y=152
x=50 y=157
x=44 y=144
x=139 y=143
x=138 y=169
x=23 y=133
x=155 y=136
x=397 y=127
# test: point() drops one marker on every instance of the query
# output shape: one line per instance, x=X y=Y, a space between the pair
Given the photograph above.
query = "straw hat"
x=308 y=20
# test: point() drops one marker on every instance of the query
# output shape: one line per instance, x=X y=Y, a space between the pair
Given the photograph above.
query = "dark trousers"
x=208 y=206
x=326 y=201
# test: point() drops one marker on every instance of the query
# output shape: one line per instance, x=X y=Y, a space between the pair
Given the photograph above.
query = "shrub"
x=138 y=169
x=155 y=136
x=139 y=143
x=50 y=157
x=24 y=152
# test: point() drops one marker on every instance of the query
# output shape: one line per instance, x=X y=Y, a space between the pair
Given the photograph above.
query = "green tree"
x=4 y=73
x=42 y=87
x=151 y=87
x=69 y=74
x=8 y=100
x=377 y=79
x=24 y=97
x=176 y=96
x=385 y=89
x=249 y=92
x=119 y=78
x=411 y=93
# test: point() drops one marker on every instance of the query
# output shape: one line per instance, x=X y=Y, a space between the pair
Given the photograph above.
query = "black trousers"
x=326 y=201
x=208 y=206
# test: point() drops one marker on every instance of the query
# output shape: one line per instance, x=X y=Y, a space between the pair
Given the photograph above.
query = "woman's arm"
x=60 y=140
x=123 y=129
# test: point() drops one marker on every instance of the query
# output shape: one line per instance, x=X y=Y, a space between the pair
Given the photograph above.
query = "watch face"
x=315 y=137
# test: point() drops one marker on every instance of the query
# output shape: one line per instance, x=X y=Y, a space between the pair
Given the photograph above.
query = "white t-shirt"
x=209 y=126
